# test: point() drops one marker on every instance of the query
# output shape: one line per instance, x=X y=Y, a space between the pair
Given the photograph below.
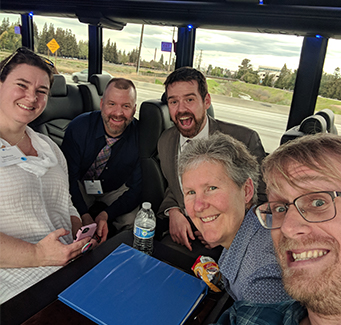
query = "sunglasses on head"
x=25 y=51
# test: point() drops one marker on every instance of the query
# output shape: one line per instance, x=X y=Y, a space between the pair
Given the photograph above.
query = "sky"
x=218 y=48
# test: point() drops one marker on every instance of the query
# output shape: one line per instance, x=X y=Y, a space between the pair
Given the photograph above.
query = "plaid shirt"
x=245 y=313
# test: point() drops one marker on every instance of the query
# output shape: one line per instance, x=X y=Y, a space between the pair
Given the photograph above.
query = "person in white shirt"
x=37 y=218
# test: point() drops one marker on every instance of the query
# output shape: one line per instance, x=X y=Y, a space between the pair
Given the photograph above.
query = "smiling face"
x=214 y=202
x=23 y=95
x=187 y=108
x=309 y=253
x=118 y=107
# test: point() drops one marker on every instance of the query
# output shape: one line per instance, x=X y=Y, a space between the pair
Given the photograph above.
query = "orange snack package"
x=207 y=269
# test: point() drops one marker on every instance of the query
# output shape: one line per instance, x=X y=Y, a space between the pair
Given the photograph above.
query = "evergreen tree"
x=9 y=40
x=244 y=69
x=83 y=49
x=114 y=54
x=43 y=40
x=4 y=25
x=284 y=78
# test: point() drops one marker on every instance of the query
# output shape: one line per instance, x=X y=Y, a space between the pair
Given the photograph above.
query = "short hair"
x=221 y=148
x=25 y=56
x=188 y=74
x=317 y=152
x=121 y=83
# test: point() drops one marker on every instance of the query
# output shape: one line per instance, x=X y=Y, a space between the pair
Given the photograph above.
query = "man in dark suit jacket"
x=188 y=100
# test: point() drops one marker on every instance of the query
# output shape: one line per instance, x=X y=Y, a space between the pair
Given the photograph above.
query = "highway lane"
x=268 y=120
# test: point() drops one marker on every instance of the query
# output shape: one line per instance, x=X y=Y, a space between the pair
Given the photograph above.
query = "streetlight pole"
x=139 y=56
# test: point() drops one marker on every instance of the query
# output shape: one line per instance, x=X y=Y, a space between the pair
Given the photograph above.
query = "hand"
x=179 y=228
x=50 y=251
x=102 y=225
x=203 y=241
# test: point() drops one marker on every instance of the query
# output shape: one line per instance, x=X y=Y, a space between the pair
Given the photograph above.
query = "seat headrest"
x=58 y=88
x=100 y=81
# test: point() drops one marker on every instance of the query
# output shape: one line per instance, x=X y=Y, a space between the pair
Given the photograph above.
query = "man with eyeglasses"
x=303 y=179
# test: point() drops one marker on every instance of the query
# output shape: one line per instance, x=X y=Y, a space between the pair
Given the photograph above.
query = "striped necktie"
x=101 y=160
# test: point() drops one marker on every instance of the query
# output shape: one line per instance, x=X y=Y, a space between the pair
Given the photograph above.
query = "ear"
x=101 y=103
x=248 y=190
x=207 y=101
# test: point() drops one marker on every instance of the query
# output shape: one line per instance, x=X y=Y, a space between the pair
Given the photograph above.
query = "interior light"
x=189 y=27
x=31 y=14
x=261 y=2
x=318 y=36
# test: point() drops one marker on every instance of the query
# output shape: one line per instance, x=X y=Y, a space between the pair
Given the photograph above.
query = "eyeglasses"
x=25 y=51
x=313 y=207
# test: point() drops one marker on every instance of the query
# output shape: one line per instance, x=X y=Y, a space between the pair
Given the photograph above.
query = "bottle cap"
x=146 y=205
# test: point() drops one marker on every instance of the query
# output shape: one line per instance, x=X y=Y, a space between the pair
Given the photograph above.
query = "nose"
x=200 y=203
x=182 y=106
x=118 y=110
x=294 y=225
x=31 y=95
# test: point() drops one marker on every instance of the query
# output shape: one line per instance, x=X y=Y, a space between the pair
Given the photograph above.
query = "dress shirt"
x=83 y=140
x=244 y=313
x=249 y=267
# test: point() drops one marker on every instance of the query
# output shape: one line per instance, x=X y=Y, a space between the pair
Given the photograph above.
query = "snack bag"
x=205 y=268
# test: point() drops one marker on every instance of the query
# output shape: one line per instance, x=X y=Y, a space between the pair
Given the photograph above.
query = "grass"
x=215 y=86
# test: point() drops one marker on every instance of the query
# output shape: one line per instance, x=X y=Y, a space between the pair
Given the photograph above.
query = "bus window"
x=251 y=78
x=72 y=37
x=10 y=38
x=330 y=86
x=122 y=48
x=121 y=55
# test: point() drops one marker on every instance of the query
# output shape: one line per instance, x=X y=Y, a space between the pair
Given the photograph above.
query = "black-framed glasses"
x=25 y=51
x=313 y=207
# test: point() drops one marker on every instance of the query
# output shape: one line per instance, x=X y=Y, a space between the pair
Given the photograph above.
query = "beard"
x=320 y=291
x=115 y=130
x=195 y=129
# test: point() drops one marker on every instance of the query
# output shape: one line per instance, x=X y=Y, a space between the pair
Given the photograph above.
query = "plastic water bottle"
x=144 y=229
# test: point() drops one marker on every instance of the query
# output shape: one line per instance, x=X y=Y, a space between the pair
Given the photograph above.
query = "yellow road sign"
x=53 y=45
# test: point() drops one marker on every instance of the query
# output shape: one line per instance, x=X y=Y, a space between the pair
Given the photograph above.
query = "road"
x=268 y=120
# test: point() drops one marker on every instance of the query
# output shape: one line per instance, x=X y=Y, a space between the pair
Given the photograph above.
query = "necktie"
x=101 y=160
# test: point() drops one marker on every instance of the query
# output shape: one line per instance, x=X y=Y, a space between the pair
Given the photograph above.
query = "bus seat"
x=321 y=122
x=153 y=120
x=93 y=92
x=64 y=104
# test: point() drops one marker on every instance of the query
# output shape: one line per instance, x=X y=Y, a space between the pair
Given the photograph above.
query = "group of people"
x=278 y=250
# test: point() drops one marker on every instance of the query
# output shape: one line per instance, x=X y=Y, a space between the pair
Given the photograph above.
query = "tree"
x=268 y=80
x=284 y=78
x=4 y=25
x=83 y=49
x=9 y=40
x=244 y=68
x=133 y=56
x=217 y=71
x=43 y=40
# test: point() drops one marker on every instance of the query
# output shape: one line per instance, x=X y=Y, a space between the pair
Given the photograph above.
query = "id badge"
x=93 y=187
x=11 y=156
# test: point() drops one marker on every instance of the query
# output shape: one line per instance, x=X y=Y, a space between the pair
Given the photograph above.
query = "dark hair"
x=121 y=83
x=24 y=56
x=188 y=74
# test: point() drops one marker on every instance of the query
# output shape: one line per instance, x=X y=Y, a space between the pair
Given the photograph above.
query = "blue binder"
x=130 y=287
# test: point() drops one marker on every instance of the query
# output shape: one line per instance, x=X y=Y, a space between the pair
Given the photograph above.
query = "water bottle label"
x=143 y=233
